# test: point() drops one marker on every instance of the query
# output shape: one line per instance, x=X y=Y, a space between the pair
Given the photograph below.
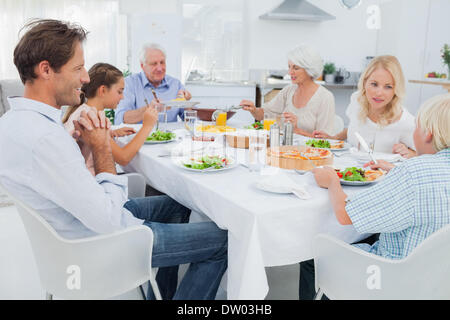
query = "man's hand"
x=184 y=94
x=381 y=164
x=248 y=106
x=325 y=176
x=93 y=128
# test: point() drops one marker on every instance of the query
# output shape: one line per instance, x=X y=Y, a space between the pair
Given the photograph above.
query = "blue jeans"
x=176 y=242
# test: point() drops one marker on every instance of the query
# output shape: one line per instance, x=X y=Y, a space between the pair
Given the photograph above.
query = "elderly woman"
x=376 y=110
x=304 y=103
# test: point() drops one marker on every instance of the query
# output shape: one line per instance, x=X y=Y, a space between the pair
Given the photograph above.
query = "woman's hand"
x=248 y=106
x=321 y=134
x=403 y=150
x=122 y=132
x=290 y=117
x=381 y=164
x=325 y=176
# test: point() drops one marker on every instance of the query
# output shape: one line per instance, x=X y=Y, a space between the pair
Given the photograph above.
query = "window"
x=100 y=17
x=213 y=38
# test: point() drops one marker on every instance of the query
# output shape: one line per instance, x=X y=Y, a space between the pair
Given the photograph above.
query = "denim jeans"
x=176 y=242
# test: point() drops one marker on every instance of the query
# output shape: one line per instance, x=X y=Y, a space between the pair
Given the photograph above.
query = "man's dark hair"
x=46 y=40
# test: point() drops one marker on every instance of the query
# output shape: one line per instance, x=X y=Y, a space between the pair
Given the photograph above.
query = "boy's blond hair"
x=434 y=117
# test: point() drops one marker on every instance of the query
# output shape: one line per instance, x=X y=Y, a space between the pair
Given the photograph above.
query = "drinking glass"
x=257 y=149
x=269 y=120
x=221 y=119
x=162 y=117
x=190 y=121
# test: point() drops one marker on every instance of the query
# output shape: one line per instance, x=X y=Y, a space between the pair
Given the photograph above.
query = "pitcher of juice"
x=221 y=119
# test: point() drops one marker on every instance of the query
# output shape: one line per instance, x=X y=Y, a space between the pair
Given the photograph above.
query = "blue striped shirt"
x=138 y=88
x=411 y=203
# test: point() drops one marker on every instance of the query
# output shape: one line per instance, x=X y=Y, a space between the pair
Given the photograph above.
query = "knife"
x=365 y=146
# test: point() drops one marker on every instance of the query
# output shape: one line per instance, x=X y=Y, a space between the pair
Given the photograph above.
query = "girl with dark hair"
x=104 y=91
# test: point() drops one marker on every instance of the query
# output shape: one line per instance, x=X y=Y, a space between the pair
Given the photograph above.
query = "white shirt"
x=42 y=165
x=385 y=137
x=318 y=114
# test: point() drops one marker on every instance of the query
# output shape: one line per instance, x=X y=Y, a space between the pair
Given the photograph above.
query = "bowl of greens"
x=255 y=126
x=160 y=137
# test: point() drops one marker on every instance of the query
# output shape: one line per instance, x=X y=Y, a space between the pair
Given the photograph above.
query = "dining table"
x=265 y=229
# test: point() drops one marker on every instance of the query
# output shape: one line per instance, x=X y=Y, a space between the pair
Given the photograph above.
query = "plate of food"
x=354 y=176
x=158 y=137
x=180 y=103
x=335 y=145
x=207 y=163
x=255 y=126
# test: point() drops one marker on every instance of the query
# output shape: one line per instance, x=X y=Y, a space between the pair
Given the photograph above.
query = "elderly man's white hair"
x=150 y=46
x=308 y=58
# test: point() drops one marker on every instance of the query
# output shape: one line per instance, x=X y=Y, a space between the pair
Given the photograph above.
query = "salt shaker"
x=274 y=135
x=288 y=134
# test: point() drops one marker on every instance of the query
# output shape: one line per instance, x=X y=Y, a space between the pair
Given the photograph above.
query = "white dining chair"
x=346 y=272
x=98 y=267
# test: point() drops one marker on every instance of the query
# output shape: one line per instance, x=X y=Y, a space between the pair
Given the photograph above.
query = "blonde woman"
x=408 y=205
x=304 y=103
x=376 y=110
x=104 y=91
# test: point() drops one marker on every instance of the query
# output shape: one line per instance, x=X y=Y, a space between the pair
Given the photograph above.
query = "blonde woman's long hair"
x=393 y=109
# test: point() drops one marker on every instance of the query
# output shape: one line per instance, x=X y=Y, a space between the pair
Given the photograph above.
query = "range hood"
x=297 y=10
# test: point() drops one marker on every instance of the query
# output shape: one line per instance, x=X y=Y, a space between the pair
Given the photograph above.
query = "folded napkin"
x=282 y=183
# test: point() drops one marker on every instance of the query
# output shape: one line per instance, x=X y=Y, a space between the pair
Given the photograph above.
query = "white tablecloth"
x=264 y=229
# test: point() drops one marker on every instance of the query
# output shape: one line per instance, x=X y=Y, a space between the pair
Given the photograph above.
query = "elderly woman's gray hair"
x=150 y=46
x=308 y=58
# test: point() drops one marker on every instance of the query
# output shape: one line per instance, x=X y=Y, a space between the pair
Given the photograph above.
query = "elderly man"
x=139 y=87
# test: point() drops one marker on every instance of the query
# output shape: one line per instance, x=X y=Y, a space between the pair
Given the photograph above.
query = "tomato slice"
x=349 y=173
x=340 y=175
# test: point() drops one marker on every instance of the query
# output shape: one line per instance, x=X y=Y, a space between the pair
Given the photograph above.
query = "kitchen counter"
x=280 y=84
x=220 y=83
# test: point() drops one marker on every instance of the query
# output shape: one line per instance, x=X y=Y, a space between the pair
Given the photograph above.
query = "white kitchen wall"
x=415 y=31
x=345 y=41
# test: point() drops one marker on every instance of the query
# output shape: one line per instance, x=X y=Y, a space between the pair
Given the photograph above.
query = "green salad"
x=206 y=162
x=318 y=143
x=352 y=174
x=161 y=136
x=255 y=126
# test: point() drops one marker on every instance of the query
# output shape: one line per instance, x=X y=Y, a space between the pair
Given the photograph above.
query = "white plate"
x=345 y=147
x=231 y=164
x=180 y=104
x=359 y=183
x=159 y=142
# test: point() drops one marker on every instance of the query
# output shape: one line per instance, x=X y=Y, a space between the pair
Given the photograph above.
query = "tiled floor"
x=19 y=278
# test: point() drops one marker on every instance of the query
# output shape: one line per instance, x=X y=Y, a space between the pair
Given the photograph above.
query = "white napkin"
x=282 y=183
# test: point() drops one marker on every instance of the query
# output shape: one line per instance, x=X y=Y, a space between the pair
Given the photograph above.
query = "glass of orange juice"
x=221 y=119
x=269 y=120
